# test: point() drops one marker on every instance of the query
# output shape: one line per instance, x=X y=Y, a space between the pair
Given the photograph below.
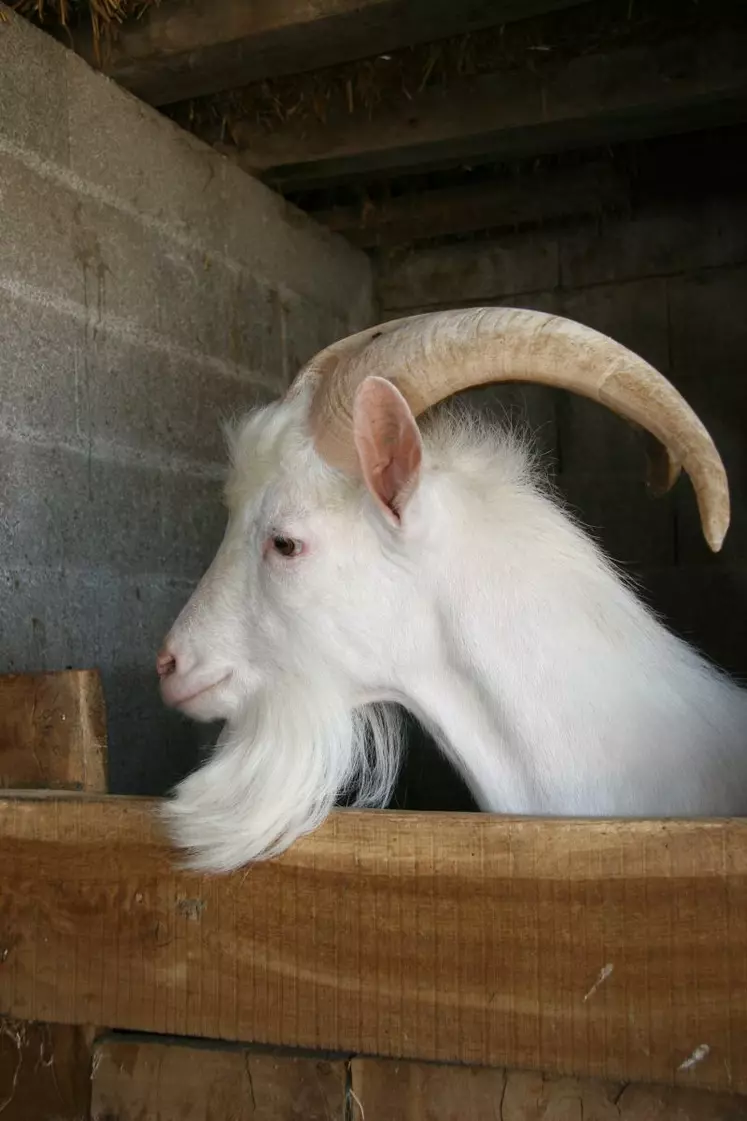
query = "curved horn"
x=430 y=357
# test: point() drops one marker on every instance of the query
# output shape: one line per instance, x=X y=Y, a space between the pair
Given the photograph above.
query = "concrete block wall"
x=670 y=281
x=148 y=290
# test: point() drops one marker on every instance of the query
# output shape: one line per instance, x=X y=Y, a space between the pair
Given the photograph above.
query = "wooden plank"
x=597 y=949
x=659 y=1103
x=192 y=47
x=53 y=731
x=137 y=1079
x=666 y=239
x=624 y=94
x=45 y=1072
x=480 y=206
x=425 y=1092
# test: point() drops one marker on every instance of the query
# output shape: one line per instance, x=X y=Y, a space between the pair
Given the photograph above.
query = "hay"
x=390 y=81
x=103 y=16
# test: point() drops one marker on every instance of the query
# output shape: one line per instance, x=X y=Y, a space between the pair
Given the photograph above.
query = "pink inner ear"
x=388 y=443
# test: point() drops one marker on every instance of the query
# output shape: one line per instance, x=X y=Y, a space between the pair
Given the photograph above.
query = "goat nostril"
x=165 y=664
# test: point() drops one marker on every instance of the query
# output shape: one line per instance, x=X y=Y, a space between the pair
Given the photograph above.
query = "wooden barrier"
x=156 y=1080
x=52 y=734
x=596 y=949
x=599 y=956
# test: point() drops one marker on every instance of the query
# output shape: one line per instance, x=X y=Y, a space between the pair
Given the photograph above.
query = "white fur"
x=488 y=613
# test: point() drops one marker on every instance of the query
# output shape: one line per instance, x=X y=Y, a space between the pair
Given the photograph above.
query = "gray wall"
x=148 y=289
x=670 y=281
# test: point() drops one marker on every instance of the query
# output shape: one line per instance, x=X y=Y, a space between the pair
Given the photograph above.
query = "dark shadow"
x=151 y=748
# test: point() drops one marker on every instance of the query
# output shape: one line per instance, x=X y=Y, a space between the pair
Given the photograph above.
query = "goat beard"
x=277 y=771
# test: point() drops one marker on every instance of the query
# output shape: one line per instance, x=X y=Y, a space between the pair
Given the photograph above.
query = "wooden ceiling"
x=402 y=120
x=182 y=49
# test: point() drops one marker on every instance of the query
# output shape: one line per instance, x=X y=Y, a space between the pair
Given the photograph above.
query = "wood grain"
x=608 y=950
x=53 y=731
x=426 y=1092
x=614 y=96
x=52 y=734
x=192 y=47
x=146 y=1080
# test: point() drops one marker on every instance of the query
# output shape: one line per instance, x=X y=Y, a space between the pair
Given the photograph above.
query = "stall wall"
x=149 y=290
x=670 y=281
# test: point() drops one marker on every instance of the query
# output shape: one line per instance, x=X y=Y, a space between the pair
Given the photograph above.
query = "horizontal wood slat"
x=625 y=93
x=187 y=48
x=172 y=1080
x=426 y=1092
x=153 y=1080
x=467 y=208
x=612 y=950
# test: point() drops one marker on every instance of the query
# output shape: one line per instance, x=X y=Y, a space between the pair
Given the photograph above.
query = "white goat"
x=367 y=561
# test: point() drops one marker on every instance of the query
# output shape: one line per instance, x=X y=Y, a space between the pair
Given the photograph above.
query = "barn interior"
x=579 y=158
x=195 y=197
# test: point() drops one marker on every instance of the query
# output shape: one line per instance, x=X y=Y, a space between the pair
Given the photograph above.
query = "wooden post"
x=53 y=732
x=52 y=735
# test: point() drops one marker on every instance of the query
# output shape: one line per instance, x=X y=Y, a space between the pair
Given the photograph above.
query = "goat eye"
x=286 y=546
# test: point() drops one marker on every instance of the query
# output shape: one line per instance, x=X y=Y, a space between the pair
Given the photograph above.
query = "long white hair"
x=279 y=768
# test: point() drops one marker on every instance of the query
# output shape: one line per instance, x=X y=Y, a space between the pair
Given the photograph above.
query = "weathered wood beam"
x=187 y=48
x=53 y=731
x=142 y=1077
x=600 y=949
x=441 y=1093
x=629 y=93
x=422 y=215
x=139 y=1079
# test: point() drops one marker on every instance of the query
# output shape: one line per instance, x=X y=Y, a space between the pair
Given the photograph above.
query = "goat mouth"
x=182 y=700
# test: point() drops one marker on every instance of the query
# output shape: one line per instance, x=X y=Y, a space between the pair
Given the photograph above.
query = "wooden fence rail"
x=602 y=953
x=610 y=950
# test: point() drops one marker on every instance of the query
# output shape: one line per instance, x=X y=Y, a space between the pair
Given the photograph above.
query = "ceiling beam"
x=628 y=93
x=468 y=208
x=187 y=48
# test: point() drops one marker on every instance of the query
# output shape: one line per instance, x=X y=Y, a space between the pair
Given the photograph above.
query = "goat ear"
x=388 y=444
